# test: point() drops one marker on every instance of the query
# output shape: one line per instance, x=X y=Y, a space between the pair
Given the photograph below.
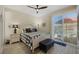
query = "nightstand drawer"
x=14 y=38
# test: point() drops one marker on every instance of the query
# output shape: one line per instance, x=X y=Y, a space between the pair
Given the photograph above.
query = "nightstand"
x=14 y=38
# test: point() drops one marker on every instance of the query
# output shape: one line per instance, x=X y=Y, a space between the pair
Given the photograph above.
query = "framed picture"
x=44 y=24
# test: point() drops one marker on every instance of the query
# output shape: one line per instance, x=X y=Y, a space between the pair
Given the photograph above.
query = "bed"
x=32 y=39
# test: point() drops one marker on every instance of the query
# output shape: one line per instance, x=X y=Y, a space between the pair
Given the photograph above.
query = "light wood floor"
x=20 y=48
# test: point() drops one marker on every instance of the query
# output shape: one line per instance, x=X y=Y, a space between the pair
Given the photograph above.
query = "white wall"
x=1 y=30
x=15 y=17
x=78 y=26
x=45 y=19
x=0 y=34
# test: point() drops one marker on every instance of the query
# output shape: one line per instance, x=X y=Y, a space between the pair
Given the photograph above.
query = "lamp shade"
x=15 y=26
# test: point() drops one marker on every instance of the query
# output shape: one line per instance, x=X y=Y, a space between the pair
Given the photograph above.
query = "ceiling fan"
x=37 y=8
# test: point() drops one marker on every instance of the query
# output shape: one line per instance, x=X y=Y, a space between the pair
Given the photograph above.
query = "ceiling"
x=27 y=10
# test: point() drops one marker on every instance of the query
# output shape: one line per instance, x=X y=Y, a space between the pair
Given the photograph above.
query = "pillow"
x=34 y=30
x=28 y=30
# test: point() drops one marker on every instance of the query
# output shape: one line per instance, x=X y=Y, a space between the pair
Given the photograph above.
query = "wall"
x=47 y=18
x=0 y=33
x=1 y=30
x=78 y=26
x=15 y=17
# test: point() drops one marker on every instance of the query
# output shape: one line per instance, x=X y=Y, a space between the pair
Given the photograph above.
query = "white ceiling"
x=27 y=10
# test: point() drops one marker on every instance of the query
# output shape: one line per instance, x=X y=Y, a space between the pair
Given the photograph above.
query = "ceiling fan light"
x=37 y=10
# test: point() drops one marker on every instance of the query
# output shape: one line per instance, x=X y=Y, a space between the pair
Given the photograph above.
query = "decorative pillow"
x=28 y=30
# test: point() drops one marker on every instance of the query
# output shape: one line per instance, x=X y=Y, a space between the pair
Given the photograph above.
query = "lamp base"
x=15 y=30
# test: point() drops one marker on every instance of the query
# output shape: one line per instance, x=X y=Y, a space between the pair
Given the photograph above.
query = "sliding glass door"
x=70 y=28
x=64 y=27
x=57 y=28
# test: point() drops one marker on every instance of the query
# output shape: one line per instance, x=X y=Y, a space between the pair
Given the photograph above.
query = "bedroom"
x=18 y=18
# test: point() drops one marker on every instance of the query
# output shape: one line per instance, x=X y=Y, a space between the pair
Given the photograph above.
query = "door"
x=70 y=28
x=57 y=28
x=64 y=28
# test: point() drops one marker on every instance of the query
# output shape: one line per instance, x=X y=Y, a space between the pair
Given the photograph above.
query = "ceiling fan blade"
x=31 y=7
x=43 y=7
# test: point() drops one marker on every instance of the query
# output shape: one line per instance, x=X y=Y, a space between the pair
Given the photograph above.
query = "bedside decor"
x=15 y=37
